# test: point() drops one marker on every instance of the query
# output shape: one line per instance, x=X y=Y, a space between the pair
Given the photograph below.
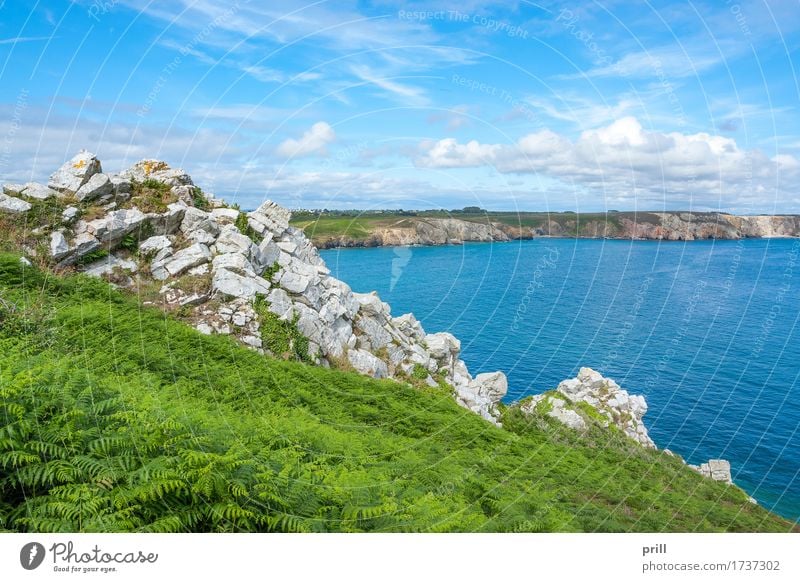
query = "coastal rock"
x=156 y=170
x=187 y=258
x=623 y=410
x=13 y=205
x=59 y=248
x=75 y=173
x=97 y=187
x=31 y=190
x=716 y=469
x=366 y=363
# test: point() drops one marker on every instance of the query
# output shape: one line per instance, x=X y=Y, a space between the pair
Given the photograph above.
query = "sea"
x=707 y=331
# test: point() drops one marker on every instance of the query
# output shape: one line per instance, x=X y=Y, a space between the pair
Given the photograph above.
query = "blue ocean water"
x=706 y=330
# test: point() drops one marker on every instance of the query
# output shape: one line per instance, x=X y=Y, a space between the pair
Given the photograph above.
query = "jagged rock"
x=13 y=205
x=157 y=170
x=224 y=215
x=154 y=244
x=294 y=283
x=32 y=190
x=371 y=304
x=70 y=214
x=230 y=240
x=409 y=326
x=83 y=244
x=236 y=285
x=235 y=262
x=122 y=186
x=59 y=248
x=558 y=409
x=106 y=265
x=280 y=304
x=482 y=394
x=117 y=224
x=168 y=222
x=716 y=469
x=75 y=173
x=623 y=410
x=366 y=363
x=187 y=258
x=98 y=186
x=269 y=217
x=195 y=219
x=444 y=348
x=267 y=255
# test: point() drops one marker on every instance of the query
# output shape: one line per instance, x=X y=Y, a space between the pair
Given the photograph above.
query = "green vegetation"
x=114 y=417
x=244 y=227
x=281 y=338
x=150 y=195
x=199 y=199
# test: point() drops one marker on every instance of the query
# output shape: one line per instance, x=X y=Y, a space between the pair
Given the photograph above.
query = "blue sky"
x=509 y=105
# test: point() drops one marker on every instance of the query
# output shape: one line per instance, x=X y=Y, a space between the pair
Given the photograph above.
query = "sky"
x=547 y=106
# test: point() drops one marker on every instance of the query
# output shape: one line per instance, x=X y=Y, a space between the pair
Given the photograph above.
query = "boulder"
x=157 y=170
x=169 y=221
x=97 y=187
x=32 y=190
x=187 y=258
x=154 y=244
x=69 y=178
x=269 y=217
x=83 y=244
x=117 y=224
x=229 y=283
x=70 y=214
x=368 y=364
x=59 y=248
x=107 y=264
x=224 y=215
x=13 y=205
x=716 y=469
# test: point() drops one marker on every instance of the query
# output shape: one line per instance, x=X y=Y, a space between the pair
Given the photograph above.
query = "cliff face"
x=673 y=226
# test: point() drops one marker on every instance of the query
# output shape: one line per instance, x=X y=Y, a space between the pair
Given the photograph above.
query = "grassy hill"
x=115 y=417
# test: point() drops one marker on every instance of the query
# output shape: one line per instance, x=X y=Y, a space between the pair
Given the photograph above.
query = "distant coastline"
x=342 y=229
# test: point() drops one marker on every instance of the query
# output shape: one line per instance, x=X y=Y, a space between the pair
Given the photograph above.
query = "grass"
x=150 y=195
x=115 y=417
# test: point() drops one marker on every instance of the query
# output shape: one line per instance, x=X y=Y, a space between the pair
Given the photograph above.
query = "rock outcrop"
x=229 y=272
x=716 y=469
x=618 y=408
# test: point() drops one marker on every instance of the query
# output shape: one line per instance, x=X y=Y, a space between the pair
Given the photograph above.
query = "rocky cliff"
x=252 y=275
x=673 y=226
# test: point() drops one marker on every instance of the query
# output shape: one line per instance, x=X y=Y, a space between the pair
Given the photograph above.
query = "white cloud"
x=313 y=142
x=624 y=160
x=408 y=95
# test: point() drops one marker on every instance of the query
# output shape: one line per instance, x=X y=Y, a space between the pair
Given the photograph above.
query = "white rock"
x=38 y=191
x=224 y=215
x=235 y=262
x=59 y=248
x=293 y=282
x=107 y=264
x=70 y=214
x=115 y=225
x=187 y=258
x=98 y=186
x=75 y=173
x=154 y=244
x=156 y=170
x=366 y=363
x=13 y=205
x=230 y=283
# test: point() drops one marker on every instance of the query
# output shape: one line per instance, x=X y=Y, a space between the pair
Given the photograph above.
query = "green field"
x=114 y=417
